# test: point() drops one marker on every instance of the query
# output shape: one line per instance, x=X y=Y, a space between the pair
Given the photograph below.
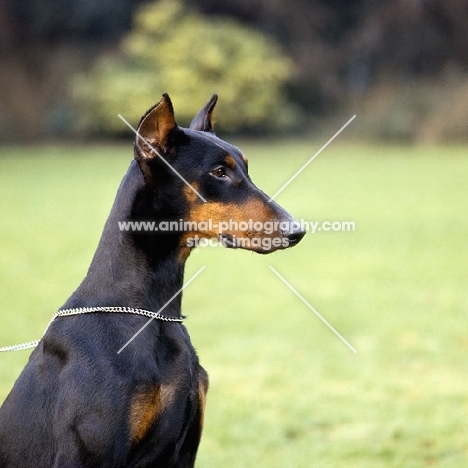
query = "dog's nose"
x=294 y=233
x=295 y=237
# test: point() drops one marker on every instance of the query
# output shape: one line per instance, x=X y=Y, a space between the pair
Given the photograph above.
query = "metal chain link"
x=90 y=310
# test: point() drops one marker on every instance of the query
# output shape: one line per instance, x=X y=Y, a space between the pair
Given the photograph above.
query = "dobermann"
x=80 y=403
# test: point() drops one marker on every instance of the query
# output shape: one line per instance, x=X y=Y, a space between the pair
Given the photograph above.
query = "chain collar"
x=89 y=310
x=117 y=310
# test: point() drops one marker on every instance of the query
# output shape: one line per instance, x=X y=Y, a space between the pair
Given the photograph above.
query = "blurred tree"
x=345 y=53
x=343 y=47
x=179 y=51
x=67 y=20
x=43 y=43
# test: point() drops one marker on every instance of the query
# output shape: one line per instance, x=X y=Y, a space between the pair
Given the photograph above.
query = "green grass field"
x=285 y=391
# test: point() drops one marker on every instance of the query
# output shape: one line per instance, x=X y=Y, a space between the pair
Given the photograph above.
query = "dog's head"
x=203 y=182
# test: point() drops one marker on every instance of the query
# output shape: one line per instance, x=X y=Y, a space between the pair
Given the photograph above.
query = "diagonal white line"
x=158 y=154
x=312 y=158
x=312 y=309
x=161 y=309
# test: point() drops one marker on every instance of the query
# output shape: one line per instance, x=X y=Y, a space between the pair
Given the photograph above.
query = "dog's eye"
x=219 y=172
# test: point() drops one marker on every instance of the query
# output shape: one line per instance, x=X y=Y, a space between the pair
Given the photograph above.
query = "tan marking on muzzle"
x=190 y=195
x=212 y=219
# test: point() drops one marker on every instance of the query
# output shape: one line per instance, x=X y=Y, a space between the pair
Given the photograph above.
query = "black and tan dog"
x=80 y=403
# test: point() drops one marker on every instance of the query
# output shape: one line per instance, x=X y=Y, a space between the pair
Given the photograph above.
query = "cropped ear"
x=155 y=130
x=203 y=121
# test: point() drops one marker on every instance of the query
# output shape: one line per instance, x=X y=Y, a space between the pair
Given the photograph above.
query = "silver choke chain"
x=90 y=310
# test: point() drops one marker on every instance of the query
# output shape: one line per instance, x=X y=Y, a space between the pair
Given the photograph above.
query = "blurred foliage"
x=175 y=50
x=426 y=111
x=402 y=66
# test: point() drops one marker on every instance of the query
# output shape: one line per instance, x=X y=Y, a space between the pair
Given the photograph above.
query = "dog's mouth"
x=229 y=241
x=262 y=245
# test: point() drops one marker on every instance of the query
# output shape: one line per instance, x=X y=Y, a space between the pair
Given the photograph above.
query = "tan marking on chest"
x=202 y=391
x=146 y=407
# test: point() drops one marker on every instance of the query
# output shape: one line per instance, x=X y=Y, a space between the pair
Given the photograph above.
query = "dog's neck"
x=131 y=269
